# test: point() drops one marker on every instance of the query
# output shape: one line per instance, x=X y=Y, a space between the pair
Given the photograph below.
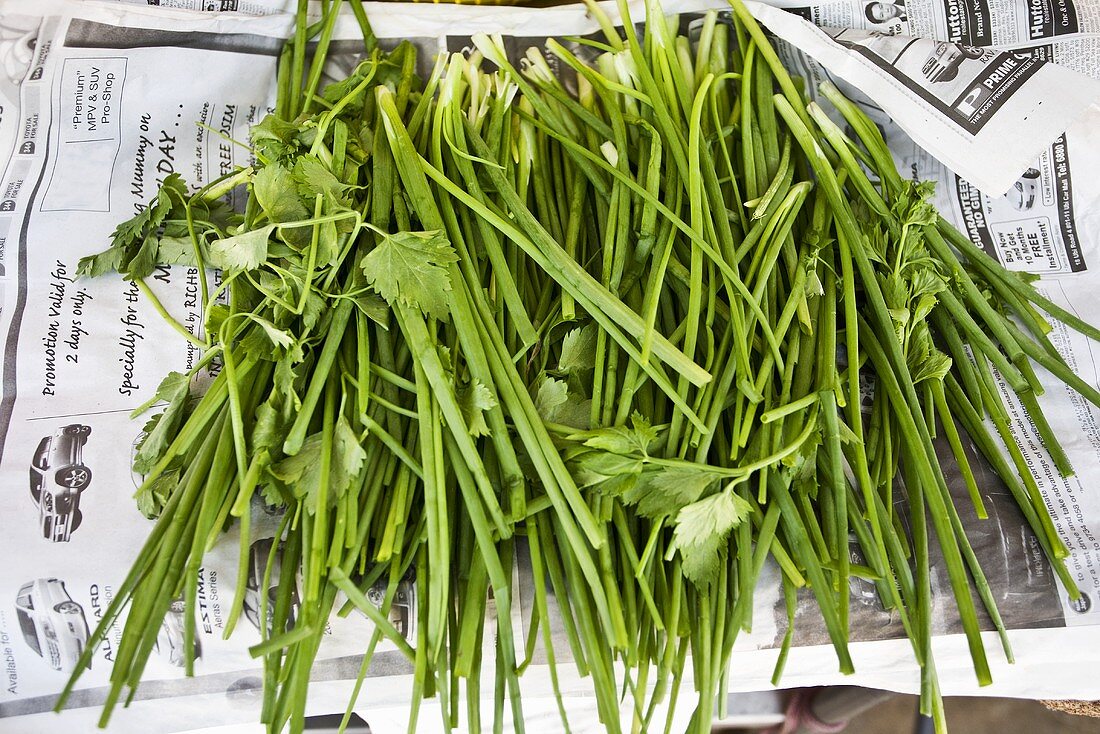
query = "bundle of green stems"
x=652 y=329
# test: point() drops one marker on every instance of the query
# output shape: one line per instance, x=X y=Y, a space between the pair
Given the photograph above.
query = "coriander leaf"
x=876 y=244
x=556 y=403
x=662 y=491
x=174 y=389
x=278 y=195
x=141 y=263
x=410 y=268
x=215 y=317
x=374 y=308
x=152 y=498
x=301 y=473
x=925 y=303
x=277 y=336
x=347 y=460
x=285 y=379
x=594 y=467
x=107 y=261
x=620 y=439
x=273 y=136
x=269 y=430
x=272 y=495
x=474 y=399
x=176 y=251
x=243 y=251
x=701 y=530
x=314 y=309
x=550 y=395
x=934 y=367
x=149 y=218
x=314 y=178
x=803 y=462
x=578 y=350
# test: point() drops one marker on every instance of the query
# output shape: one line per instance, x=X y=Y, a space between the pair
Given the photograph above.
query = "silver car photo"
x=58 y=477
x=53 y=625
x=1023 y=193
x=942 y=65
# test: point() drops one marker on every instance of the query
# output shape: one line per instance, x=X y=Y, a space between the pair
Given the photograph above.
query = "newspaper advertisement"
x=100 y=103
x=1065 y=31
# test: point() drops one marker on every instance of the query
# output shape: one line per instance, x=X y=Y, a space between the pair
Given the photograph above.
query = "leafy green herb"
x=411 y=268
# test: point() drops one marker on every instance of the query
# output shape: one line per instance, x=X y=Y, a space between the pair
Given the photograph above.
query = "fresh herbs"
x=653 y=333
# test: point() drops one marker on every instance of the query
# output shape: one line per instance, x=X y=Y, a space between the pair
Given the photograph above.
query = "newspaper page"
x=103 y=121
x=105 y=107
x=1068 y=31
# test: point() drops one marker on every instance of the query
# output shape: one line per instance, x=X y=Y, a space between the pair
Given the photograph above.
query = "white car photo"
x=53 y=625
x=1023 y=193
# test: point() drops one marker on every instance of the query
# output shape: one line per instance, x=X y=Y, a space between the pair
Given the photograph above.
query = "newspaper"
x=99 y=102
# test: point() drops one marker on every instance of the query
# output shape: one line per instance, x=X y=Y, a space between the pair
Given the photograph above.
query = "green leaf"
x=301 y=473
x=160 y=430
x=143 y=261
x=474 y=399
x=107 y=261
x=876 y=244
x=663 y=491
x=347 y=461
x=272 y=495
x=314 y=178
x=152 y=498
x=277 y=193
x=273 y=127
x=924 y=305
x=620 y=439
x=149 y=218
x=410 y=268
x=550 y=395
x=594 y=467
x=315 y=308
x=269 y=430
x=285 y=379
x=701 y=530
x=578 y=350
x=374 y=308
x=275 y=335
x=243 y=251
x=176 y=251
x=934 y=367
x=557 y=403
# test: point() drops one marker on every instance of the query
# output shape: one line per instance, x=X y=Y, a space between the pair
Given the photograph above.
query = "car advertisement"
x=966 y=84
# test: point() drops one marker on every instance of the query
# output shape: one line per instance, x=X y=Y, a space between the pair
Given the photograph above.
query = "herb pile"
x=651 y=331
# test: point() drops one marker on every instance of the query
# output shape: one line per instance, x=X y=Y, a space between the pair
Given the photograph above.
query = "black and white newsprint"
x=995 y=100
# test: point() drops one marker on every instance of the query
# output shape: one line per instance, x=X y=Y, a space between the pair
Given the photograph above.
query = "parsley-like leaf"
x=314 y=178
x=474 y=399
x=176 y=251
x=701 y=531
x=620 y=439
x=277 y=193
x=152 y=498
x=578 y=350
x=243 y=251
x=100 y=263
x=174 y=389
x=556 y=403
x=411 y=268
x=663 y=491
x=302 y=472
